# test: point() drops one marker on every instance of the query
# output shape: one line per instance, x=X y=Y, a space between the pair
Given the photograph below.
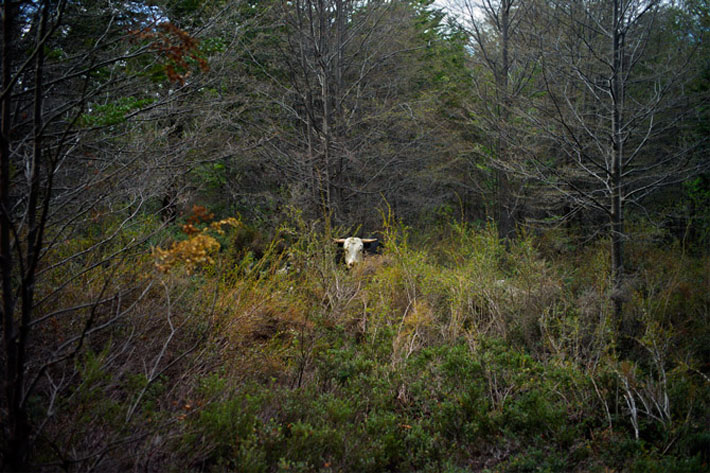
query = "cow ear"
x=339 y=241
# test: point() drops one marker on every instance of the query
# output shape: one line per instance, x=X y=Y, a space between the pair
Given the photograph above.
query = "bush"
x=458 y=355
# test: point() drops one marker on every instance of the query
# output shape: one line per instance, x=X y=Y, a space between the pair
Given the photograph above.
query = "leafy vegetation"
x=173 y=176
x=458 y=355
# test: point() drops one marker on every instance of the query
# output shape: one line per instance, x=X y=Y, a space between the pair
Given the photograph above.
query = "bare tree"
x=610 y=114
x=349 y=108
x=333 y=47
x=72 y=189
x=502 y=72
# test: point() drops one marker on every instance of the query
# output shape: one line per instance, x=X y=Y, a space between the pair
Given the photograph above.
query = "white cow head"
x=354 y=247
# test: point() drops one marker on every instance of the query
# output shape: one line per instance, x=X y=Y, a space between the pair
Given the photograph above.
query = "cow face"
x=354 y=248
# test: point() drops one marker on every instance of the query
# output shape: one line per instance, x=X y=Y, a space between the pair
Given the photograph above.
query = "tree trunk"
x=16 y=335
x=616 y=161
x=325 y=138
x=505 y=223
x=16 y=429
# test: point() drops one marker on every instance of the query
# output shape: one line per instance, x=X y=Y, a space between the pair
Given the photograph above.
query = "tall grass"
x=449 y=351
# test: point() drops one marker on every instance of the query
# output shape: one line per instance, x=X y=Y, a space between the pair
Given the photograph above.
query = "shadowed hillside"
x=449 y=351
x=531 y=179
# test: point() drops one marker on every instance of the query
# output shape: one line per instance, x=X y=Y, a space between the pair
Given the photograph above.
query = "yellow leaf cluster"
x=217 y=226
x=196 y=251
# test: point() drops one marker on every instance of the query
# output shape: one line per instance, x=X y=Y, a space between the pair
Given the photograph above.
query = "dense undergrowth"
x=449 y=351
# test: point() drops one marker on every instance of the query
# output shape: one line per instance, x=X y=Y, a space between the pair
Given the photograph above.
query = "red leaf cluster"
x=176 y=46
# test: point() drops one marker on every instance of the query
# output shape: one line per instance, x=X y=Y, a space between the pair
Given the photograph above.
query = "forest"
x=175 y=174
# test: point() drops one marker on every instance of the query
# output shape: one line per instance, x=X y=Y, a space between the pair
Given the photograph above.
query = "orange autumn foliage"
x=199 y=248
x=177 y=48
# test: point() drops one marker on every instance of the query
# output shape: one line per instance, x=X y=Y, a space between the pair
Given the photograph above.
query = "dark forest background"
x=174 y=173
